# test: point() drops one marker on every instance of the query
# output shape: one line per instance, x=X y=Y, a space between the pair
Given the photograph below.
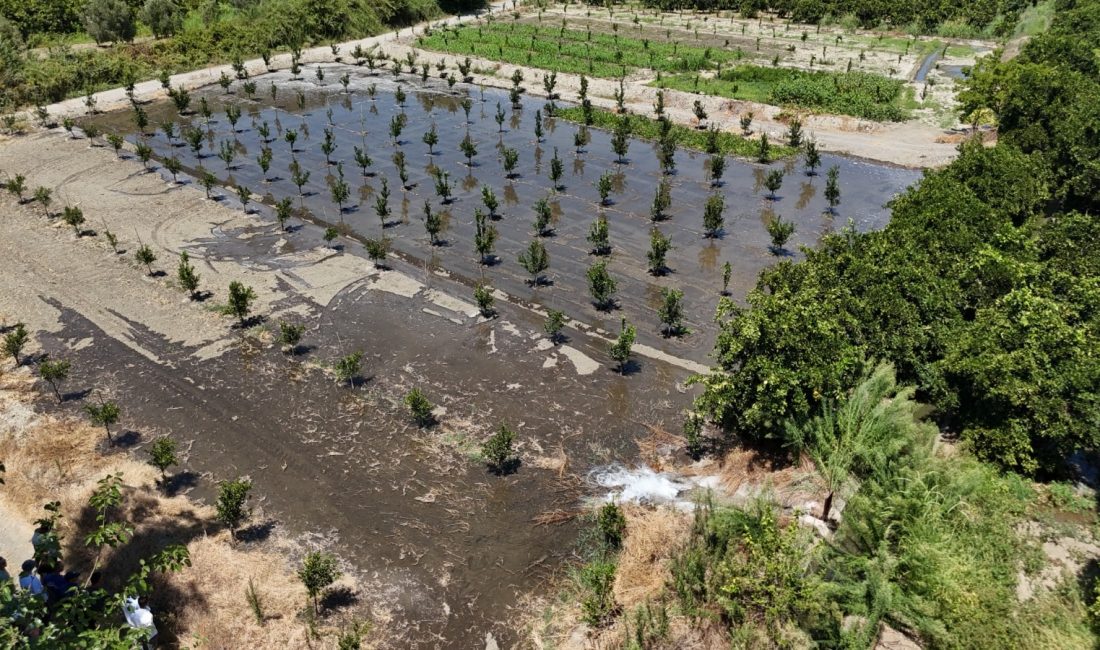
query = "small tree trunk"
x=108 y=430
x=827 y=507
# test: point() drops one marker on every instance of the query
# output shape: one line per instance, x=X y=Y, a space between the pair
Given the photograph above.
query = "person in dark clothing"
x=56 y=584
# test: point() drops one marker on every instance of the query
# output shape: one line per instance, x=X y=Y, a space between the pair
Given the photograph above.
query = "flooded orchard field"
x=361 y=117
x=444 y=547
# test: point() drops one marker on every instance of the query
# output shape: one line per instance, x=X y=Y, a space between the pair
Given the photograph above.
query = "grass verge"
x=859 y=94
x=647 y=129
x=573 y=51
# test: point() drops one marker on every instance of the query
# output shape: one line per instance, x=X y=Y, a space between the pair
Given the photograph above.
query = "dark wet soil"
x=440 y=542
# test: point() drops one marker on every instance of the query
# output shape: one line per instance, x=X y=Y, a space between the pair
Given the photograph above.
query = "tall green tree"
x=164 y=17
x=109 y=21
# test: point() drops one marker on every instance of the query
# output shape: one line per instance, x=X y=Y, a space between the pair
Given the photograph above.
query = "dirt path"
x=15 y=536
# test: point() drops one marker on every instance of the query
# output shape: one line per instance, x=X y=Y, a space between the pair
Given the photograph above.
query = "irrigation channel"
x=358 y=119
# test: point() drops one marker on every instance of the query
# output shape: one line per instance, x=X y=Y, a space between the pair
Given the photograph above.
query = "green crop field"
x=860 y=94
x=647 y=128
x=574 y=51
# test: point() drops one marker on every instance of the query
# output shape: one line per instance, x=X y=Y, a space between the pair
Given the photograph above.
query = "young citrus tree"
x=232 y=504
x=499 y=451
x=240 y=302
x=162 y=455
x=318 y=571
x=419 y=407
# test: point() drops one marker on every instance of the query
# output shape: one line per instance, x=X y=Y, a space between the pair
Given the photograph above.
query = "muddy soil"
x=442 y=547
x=356 y=120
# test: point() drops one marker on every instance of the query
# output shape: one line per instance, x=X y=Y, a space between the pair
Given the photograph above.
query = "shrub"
x=555 y=321
x=597 y=578
x=109 y=20
x=499 y=451
x=611 y=524
x=483 y=294
x=420 y=407
x=164 y=17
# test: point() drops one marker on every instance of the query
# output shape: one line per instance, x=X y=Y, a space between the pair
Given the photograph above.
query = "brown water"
x=356 y=120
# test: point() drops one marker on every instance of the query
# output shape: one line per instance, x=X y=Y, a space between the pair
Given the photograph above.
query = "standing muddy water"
x=442 y=546
x=356 y=120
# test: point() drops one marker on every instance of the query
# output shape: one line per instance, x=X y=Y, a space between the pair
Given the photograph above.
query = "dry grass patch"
x=52 y=458
x=653 y=537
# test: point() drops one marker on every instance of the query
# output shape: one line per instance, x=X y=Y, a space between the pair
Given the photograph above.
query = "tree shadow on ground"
x=510 y=466
x=76 y=395
x=126 y=439
x=177 y=483
x=257 y=532
x=250 y=322
x=337 y=598
x=630 y=367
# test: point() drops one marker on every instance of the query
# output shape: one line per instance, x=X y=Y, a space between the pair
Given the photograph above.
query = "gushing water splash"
x=644 y=485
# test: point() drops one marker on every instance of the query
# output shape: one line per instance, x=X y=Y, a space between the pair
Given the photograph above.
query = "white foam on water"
x=647 y=486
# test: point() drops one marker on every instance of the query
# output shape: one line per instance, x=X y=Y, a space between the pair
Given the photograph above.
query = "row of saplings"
x=534 y=259
x=498 y=451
